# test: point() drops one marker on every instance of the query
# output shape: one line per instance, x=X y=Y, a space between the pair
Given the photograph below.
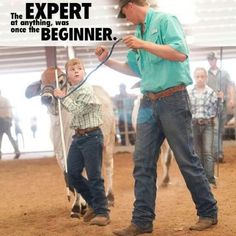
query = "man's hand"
x=230 y=104
x=132 y=42
x=220 y=95
x=101 y=52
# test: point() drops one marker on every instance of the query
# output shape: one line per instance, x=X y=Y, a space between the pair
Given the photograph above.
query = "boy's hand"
x=59 y=93
x=101 y=52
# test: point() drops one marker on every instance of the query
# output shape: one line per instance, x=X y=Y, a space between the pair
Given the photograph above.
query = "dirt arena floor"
x=33 y=201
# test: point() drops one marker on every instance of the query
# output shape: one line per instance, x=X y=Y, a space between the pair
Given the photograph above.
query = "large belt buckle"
x=152 y=96
x=80 y=132
x=201 y=121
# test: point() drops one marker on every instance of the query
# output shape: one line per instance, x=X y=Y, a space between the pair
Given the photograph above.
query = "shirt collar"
x=147 y=21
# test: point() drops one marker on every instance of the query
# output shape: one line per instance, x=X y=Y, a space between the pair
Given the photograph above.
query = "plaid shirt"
x=203 y=105
x=85 y=107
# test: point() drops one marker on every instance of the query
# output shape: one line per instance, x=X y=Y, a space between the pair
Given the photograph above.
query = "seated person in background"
x=18 y=130
x=204 y=105
x=124 y=103
x=33 y=125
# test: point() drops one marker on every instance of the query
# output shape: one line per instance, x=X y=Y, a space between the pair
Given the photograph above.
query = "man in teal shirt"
x=159 y=55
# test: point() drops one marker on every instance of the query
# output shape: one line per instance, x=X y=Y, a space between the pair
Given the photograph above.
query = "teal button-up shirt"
x=158 y=74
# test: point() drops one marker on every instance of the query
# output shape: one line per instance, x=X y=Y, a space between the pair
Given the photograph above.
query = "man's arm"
x=231 y=94
x=101 y=52
x=164 y=51
x=121 y=67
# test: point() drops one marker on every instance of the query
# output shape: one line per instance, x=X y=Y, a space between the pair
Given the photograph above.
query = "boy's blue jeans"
x=170 y=118
x=86 y=152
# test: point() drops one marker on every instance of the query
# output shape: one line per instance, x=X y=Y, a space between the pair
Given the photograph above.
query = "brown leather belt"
x=166 y=93
x=203 y=121
x=85 y=131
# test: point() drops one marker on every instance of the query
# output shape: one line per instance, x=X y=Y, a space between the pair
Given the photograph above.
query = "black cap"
x=211 y=56
x=122 y=3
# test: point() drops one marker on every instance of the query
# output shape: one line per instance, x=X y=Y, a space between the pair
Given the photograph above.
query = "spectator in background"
x=219 y=80
x=204 y=110
x=18 y=130
x=6 y=123
x=33 y=126
x=123 y=103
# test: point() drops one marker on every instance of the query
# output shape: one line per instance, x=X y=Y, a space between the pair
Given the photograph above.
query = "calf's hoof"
x=74 y=215
x=75 y=211
x=110 y=199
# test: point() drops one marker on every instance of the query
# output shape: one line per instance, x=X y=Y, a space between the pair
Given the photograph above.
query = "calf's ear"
x=33 y=89
x=136 y=85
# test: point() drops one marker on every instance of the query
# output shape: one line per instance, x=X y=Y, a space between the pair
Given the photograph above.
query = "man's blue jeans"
x=203 y=136
x=86 y=152
x=170 y=118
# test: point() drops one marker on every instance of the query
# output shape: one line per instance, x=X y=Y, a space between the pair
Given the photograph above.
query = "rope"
x=96 y=68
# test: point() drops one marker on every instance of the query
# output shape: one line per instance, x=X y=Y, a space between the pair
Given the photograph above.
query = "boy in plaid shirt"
x=87 y=144
x=204 y=110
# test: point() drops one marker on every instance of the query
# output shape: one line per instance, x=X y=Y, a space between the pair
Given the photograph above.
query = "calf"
x=45 y=88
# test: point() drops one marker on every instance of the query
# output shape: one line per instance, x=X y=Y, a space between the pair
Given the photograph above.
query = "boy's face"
x=75 y=74
x=200 y=78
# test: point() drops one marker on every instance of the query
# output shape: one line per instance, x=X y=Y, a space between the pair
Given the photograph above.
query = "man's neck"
x=143 y=14
x=214 y=68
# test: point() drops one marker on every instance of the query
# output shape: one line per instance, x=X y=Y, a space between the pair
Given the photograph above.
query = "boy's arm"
x=80 y=102
x=59 y=93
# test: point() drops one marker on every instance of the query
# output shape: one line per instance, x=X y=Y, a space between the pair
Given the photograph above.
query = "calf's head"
x=45 y=88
